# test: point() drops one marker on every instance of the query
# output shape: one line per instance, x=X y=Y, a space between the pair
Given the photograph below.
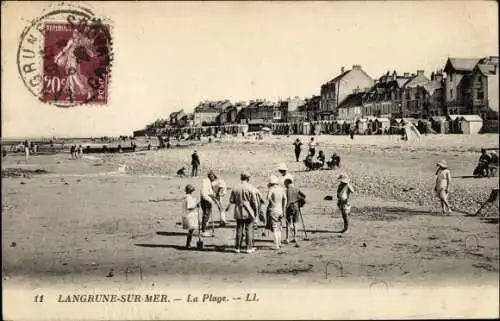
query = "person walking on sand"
x=283 y=170
x=312 y=147
x=344 y=191
x=298 y=148
x=245 y=201
x=195 y=162
x=293 y=198
x=26 y=151
x=207 y=200
x=80 y=151
x=72 y=151
x=276 y=206
x=442 y=188
x=190 y=216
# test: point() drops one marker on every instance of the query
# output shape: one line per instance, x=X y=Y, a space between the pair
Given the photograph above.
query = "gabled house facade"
x=337 y=89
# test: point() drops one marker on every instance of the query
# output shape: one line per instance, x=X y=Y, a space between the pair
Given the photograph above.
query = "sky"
x=172 y=55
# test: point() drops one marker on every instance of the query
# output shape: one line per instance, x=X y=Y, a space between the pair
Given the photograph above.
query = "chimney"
x=342 y=69
x=438 y=76
x=420 y=73
x=356 y=67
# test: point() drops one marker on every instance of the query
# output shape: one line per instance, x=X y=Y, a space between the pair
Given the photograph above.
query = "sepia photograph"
x=249 y=160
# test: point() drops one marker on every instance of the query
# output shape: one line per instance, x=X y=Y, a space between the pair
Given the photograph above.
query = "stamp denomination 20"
x=64 y=57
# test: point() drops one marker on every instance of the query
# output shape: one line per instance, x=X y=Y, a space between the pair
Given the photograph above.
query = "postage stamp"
x=64 y=57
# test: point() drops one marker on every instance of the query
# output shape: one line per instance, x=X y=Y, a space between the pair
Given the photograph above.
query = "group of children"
x=283 y=201
x=319 y=163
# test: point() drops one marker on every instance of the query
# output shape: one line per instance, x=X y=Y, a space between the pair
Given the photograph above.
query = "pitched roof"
x=487 y=69
x=463 y=64
x=351 y=100
x=342 y=75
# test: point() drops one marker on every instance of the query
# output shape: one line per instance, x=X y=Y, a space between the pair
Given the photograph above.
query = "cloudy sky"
x=169 y=56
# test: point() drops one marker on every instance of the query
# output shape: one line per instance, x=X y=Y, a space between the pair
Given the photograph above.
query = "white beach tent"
x=471 y=124
x=411 y=131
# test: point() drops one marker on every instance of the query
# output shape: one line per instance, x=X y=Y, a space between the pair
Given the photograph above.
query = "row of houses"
x=462 y=87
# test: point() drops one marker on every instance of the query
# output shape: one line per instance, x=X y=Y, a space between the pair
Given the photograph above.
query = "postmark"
x=64 y=57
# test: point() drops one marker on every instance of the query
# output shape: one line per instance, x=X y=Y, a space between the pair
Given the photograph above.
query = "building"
x=290 y=110
x=312 y=108
x=259 y=113
x=384 y=99
x=423 y=97
x=468 y=89
x=337 y=89
x=206 y=112
x=485 y=86
x=351 y=108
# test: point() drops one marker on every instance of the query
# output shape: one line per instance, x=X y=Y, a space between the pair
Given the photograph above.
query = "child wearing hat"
x=344 y=192
x=190 y=217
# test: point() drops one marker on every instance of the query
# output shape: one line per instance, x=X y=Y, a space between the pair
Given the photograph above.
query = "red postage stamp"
x=75 y=63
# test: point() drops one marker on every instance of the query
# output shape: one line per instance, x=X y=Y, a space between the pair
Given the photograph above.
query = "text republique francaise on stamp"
x=64 y=57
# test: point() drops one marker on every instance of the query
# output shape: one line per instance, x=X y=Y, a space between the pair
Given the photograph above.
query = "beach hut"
x=382 y=124
x=471 y=124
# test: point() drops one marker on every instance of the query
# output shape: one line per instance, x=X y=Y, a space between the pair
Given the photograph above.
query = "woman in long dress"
x=68 y=59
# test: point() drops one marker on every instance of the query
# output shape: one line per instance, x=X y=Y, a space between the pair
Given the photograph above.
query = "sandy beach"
x=118 y=212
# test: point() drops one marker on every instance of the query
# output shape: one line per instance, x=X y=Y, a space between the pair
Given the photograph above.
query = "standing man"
x=298 y=149
x=207 y=200
x=312 y=147
x=344 y=191
x=283 y=170
x=442 y=188
x=246 y=207
x=276 y=206
x=195 y=162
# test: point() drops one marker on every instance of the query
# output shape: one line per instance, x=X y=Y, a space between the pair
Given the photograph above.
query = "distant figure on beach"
x=351 y=134
x=182 y=171
x=312 y=147
x=321 y=159
x=80 y=151
x=344 y=191
x=483 y=163
x=72 y=151
x=26 y=153
x=195 y=162
x=442 y=188
x=298 y=148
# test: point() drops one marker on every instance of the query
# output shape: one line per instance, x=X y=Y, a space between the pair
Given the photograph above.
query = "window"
x=451 y=77
x=480 y=95
x=451 y=93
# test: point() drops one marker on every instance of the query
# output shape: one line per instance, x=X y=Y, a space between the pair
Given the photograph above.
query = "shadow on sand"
x=206 y=247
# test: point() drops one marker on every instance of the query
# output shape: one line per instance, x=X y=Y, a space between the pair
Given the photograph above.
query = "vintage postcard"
x=249 y=160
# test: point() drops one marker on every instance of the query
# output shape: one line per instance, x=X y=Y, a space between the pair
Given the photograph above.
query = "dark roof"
x=352 y=100
x=342 y=75
x=462 y=64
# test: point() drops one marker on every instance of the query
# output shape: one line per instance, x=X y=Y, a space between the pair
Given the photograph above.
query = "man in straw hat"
x=276 y=206
x=246 y=207
x=442 y=188
x=283 y=170
x=344 y=191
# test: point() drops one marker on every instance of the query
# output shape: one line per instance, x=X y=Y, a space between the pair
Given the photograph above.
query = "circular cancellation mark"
x=64 y=57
